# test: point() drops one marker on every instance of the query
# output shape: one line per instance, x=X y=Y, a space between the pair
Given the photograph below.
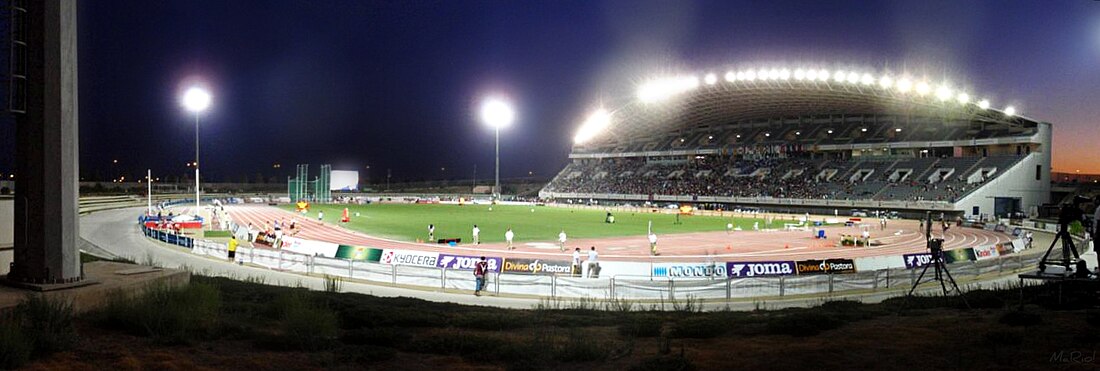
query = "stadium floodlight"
x=839 y=76
x=943 y=93
x=923 y=88
x=750 y=75
x=784 y=74
x=904 y=85
x=886 y=82
x=497 y=113
x=866 y=79
x=983 y=104
x=853 y=77
x=594 y=125
x=823 y=74
x=773 y=74
x=710 y=79
x=897 y=130
x=730 y=76
x=739 y=136
x=811 y=74
x=830 y=131
x=799 y=74
x=196 y=100
x=963 y=98
x=1010 y=111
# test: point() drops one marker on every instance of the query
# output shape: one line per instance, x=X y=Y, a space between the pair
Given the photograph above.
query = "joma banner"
x=760 y=269
x=917 y=260
x=467 y=262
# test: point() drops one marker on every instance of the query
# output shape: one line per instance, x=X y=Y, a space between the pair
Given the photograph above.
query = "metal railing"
x=622 y=287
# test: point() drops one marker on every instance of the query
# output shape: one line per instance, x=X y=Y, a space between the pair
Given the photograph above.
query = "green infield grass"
x=409 y=222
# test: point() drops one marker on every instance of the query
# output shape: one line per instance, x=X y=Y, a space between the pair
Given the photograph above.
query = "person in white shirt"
x=320 y=216
x=593 y=263
x=577 y=262
x=756 y=226
x=652 y=243
x=866 y=238
x=508 y=236
x=431 y=232
x=561 y=240
x=477 y=235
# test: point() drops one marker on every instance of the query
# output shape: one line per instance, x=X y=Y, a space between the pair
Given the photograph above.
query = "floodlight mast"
x=497 y=113
x=196 y=100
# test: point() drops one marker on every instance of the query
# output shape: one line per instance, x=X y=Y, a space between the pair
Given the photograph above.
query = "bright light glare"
x=710 y=79
x=730 y=76
x=823 y=75
x=904 y=85
x=497 y=113
x=662 y=89
x=839 y=76
x=812 y=75
x=963 y=98
x=853 y=77
x=196 y=99
x=784 y=74
x=866 y=79
x=594 y=125
x=923 y=88
x=1010 y=111
x=943 y=93
x=750 y=75
x=886 y=82
x=983 y=104
x=799 y=74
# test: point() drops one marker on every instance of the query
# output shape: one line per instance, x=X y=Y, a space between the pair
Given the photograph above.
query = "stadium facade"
x=810 y=139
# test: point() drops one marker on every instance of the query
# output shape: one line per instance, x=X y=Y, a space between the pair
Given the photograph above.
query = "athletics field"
x=409 y=222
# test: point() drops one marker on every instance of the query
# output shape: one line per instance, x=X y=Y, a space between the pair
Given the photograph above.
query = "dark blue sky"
x=396 y=84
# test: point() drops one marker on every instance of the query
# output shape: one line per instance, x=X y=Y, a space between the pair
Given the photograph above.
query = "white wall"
x=1018 y=181
x=7 y=221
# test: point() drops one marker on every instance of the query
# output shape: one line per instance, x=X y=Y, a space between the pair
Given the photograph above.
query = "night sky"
x=397 y=84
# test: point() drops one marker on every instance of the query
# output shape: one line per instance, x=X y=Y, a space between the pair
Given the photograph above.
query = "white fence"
x=629 y=287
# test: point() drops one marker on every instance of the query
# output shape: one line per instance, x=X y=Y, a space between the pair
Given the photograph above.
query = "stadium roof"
x=669 y=104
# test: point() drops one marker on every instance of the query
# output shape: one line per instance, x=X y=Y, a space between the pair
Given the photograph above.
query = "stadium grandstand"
x=813 y=140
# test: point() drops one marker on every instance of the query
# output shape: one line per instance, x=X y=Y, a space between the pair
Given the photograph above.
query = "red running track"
x=899 y=237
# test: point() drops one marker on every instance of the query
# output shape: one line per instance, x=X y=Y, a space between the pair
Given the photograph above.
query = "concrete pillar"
x=47 y=149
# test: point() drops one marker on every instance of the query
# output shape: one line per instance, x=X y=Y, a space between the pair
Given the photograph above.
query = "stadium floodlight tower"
x=196 y=100
x=497 y=113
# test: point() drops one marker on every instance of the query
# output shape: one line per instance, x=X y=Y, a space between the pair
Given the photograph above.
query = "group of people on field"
x=510 y=236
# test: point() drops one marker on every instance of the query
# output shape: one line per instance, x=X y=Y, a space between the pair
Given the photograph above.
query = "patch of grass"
x=304 y=324
x=16 y=346
x=409 y=222
x=1020 y=318
x=167 y=314
x=491 y=321
x=641 y=326
x=802 y=323
x=700 y=327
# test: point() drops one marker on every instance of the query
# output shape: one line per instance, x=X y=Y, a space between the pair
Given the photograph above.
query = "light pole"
x=497 y=113
x=196 y=100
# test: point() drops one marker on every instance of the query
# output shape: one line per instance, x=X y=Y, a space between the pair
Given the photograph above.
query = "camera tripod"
x=940 y=272
x=1067 y=247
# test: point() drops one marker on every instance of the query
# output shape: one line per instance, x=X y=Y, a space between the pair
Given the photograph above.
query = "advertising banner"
x=298 y=245
x=358 y=253
x=536 y=266
x=717 y=269
x=986 y=252
x=408 y=257
x=827 y=266
x=466 y=262
x=958 y=255
x=760 y=269
x=917 y=260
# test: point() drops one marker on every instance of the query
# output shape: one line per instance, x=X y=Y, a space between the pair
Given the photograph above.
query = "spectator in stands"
x=233 y=247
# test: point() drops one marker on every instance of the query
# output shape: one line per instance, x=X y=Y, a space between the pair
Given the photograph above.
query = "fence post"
x=280 y=265
x=1000 y=265
x=612 y=287
x=443 y=278
x=309 y=264
x=553 y=286
x=887 y=278
x=671 y=290
x=351 y=269
x=729 y=288
x=831 y=282
x=782 y=285
x=496 y=283
x=393 y=274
